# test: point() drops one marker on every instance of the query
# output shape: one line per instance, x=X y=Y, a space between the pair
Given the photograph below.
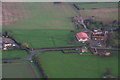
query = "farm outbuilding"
x=99 y=35
x=82 y=36
x=7 y=42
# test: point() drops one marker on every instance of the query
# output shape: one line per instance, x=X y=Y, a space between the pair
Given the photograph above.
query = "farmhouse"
x=82 y=37
x=7 y=43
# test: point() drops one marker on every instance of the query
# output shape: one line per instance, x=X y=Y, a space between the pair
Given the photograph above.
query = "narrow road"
x=41 y=50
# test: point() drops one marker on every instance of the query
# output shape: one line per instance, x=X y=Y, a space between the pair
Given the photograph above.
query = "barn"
x=82 y=37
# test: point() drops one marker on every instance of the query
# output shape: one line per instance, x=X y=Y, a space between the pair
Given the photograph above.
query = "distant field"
x=19 y=70
x=105 y=15
x=13 y=54
x=59 y=65
x=44 y=38
x=103 y=11
x=58 y=16
x=45 y=16
x=97 y=5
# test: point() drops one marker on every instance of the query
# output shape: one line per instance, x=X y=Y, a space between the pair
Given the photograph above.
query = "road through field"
x=41 y=50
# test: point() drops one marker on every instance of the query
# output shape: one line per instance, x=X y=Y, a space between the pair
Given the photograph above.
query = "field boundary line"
x=33 y=70
x=14 y=63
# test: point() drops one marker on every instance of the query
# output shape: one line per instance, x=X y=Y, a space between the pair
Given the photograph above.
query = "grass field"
x=46 y=16
x=13 y=54
x=19 y=70
x=103 y=11
x=58 y=16
x=97 y=5
x=59 y=65
x=105 y=15
x=44 y=38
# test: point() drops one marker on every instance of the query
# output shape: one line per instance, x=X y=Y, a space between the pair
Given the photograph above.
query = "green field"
x=45 y=16
x=19 y=70
x=104 y=11
x=13 y=54
x=44 y=38
x=45 y=26
x=60 y=65
x=97 y=5
x=53 y=16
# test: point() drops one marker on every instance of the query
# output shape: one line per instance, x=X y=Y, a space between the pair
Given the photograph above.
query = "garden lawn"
x=13 y=54
x=19 y=70
x=44 y=38
x=60 y=65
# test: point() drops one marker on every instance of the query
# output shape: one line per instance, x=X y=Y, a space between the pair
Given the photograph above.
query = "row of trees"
x=38 y=64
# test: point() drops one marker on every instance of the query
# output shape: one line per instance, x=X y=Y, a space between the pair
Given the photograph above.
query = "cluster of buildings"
x=99 y=35
x=96 y=35
x=6 y=43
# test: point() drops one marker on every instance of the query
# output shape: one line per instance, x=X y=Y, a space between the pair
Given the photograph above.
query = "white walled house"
x=7 y=43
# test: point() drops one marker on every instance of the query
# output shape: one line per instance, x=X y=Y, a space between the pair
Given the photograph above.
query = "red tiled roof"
x=82 y=35
x=6 y=39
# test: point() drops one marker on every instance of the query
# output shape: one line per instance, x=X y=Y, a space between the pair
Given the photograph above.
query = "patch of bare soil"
x=13 y=12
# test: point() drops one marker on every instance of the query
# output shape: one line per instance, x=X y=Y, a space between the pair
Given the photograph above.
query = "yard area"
x=19 y=70
x=60 y=65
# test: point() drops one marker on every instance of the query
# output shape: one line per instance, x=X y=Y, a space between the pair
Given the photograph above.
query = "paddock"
x=19 y=70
